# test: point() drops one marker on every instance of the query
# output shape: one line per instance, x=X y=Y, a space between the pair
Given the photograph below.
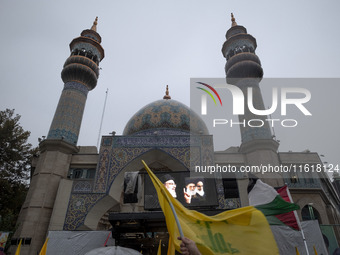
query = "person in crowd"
x=188 y=247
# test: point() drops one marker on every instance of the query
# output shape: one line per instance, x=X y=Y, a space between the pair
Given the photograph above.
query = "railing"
x=303 y=183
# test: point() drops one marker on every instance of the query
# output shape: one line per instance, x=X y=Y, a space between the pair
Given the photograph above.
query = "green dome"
x=165 y=116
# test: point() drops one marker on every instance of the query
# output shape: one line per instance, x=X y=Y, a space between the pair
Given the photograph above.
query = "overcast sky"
x=149 y=44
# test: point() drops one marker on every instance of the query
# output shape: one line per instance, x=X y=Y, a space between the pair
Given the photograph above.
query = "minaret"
x=243 y=69
x=80 y=74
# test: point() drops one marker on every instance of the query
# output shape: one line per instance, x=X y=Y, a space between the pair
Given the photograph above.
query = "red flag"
x=287 y=218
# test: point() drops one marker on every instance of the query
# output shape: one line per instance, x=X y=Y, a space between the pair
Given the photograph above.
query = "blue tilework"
x=76 y=86
x=164 y=115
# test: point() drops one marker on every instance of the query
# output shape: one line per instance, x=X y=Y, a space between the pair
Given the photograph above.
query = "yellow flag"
x=297 y=251
x=17 y=252
x=171 y=247
x=44 y=248
x=315 y=250
x=159 y=252
x=241 y=231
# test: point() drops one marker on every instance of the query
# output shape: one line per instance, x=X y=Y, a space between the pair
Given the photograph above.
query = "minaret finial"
x=233 y=22
x=94 y=26
x=167 y=93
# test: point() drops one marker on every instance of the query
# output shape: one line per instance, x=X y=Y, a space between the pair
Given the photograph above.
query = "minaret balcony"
x=80 y=73
x=244 y=65
x=82 y=60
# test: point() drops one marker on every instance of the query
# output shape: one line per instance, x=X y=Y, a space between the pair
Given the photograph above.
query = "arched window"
x=82 y=52
x=77 y=173
x=308 y=212
x=75 y=52
x=230 y=188
x=294 y=178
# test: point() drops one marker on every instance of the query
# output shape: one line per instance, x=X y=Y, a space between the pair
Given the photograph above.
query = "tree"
x=14 y=149
x=15 y=158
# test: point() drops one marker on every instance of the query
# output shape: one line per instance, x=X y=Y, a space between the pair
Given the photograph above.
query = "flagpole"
x=298 y=221
x=174 y=213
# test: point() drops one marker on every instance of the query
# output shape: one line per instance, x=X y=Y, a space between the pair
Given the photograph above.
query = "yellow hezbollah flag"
x=240 y=231
x=159 y=252
x=44 y=248
x=297 y=251
x=171 y=247
x=17 y=252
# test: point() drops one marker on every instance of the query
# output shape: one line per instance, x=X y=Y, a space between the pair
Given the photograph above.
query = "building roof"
x=165 y=116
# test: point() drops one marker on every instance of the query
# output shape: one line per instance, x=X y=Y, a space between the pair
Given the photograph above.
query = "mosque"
x=85 y=188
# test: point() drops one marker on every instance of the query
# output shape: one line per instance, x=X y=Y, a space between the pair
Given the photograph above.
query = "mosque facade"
x=76 y=188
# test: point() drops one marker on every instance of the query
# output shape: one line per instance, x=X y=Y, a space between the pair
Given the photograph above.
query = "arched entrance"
x=157 y=159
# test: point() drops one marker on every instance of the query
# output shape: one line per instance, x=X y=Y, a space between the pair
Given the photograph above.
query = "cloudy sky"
x=149 y=44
